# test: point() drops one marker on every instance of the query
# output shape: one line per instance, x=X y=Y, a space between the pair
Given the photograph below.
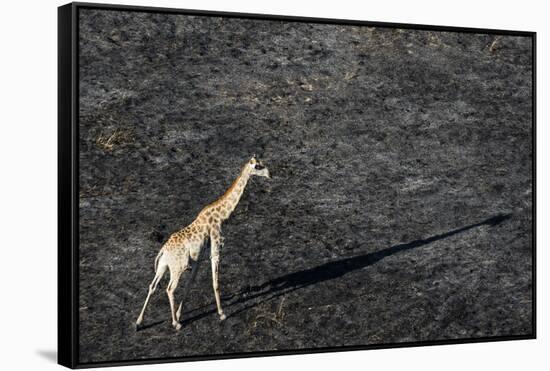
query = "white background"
x=28 y=155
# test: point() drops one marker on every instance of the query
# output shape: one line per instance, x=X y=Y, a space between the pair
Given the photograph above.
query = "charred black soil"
x=401 y=202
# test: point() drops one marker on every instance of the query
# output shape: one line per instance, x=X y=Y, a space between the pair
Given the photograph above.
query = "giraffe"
x=182 y=248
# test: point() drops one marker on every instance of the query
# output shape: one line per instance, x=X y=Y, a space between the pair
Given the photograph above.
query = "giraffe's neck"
x=232 y=196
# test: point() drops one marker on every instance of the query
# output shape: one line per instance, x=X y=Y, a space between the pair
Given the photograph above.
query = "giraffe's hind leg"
x=194 y=262
x=152 y=287
x=174 y=279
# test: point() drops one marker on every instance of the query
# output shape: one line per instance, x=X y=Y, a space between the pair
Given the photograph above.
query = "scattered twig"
x=493 y=47
x=350 y=75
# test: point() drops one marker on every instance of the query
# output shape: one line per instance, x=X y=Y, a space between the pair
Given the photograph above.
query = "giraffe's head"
x=258 y=168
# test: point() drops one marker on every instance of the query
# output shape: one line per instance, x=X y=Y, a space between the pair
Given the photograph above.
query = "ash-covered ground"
x=401 y=202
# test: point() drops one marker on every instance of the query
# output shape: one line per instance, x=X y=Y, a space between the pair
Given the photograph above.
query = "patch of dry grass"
x=107 y=142
x=277 y=317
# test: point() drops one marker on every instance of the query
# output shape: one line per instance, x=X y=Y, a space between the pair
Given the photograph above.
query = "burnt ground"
x=401 y=202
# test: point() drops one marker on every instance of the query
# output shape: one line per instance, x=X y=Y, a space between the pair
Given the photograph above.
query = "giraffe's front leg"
x=215 y=264
x=215 y=240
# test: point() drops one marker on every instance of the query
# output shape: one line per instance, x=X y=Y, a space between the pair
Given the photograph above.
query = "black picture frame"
x=68 y=181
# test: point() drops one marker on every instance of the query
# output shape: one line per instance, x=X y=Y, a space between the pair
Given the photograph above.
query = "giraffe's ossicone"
x=182 y=248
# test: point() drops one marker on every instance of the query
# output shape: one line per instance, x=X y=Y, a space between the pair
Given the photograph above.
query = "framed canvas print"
x=235 y=185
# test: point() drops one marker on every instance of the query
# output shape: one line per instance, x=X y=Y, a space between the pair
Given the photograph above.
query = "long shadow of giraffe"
x=255 y=295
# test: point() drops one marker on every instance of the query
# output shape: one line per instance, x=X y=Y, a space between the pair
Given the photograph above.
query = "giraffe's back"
x=186 y=242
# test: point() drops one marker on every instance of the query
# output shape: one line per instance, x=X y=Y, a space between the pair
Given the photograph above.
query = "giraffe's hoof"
x=223 y=317
x=138 y=327
x=177 y=326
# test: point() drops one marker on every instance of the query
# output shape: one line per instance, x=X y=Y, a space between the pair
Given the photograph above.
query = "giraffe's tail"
x=157 y=259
